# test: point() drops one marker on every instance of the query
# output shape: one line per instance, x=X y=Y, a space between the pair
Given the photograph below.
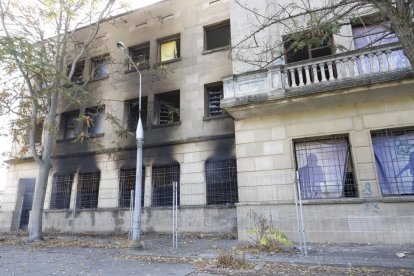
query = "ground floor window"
x=325 y=168
x=126 y=184
x=88 y=190
x=394 y=159
x=163 y=177
x=61 y=191
x=221 y=181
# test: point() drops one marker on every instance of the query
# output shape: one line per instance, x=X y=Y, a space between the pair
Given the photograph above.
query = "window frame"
x=55 y=203
x=81 y=202
x=74 y=115
x=176 y=118
x=143 y=65
x=164 y=40
x=134 y=104
x=95 y=63
x=227 y=186
x=80 y=69
x=95 y=112
x=213 y=27
x=207 y=107
x=166 y=201
x=349 y=181
x=124 y=198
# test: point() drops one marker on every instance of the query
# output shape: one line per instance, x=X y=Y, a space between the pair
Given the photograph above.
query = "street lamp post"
x=136 y=228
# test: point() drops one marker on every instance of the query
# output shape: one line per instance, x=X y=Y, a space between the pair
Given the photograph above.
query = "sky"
x=5 y=141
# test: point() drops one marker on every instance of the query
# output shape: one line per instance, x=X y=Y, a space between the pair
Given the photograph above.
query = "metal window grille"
x=163 y=177
x=394 y=159
x=325 y=168
x=221 y=181
x=61 y=191
x=214 y=96
x=168 y=105
x=126 y=184
x=88 y=190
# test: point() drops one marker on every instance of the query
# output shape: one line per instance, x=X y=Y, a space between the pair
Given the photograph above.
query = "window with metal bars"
x=126 y=184
x=325 y=168
x=88 y=190
x=214 y=94
x=394 y=159
x=221 y=181
x=61 y=191
x=163 y=177
x=167 y=107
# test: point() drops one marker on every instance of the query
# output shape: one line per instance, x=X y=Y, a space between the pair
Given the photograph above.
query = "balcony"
x=334 y=74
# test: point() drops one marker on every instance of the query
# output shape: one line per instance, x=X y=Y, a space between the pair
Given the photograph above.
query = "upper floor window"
x=325 y=168
x=68 y=122
x=38 y=134
x=77 y=76
x=95 y=118
x=99 y=67
x=140 y=55
x=167 y=107
x=217 y=36
x=394 y=159
x=214 y=94
x=132 y=107
x=169 y=48
x=307 y=45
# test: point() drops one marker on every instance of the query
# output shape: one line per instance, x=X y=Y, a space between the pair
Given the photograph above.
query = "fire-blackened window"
x=163 y=177
x=77 y=76
x=325 y=168
x=132 y=107
x=394 y=159
x=217 y=36
x=167 y=107
x=214 y=94
x=69 y=121
x=100 y=67
x=127 y=184
x=221 y=181
x=88 y=190
x=61 y=191
x=140 y=55
x=94 y=119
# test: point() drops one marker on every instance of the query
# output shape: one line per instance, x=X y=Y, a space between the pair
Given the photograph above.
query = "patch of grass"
x=230 y=260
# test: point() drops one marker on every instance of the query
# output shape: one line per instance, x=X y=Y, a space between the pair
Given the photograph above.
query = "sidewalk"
x=383 y=256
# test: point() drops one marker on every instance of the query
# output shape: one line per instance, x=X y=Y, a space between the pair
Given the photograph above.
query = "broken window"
x=77 y=76
x=394 y=159
x=94 y=119
x=69 y=121
x=127 y=184
x=217 y=36
x=140 y=55
x=221 y=181
x=307 y=45
x=163 y=177
x=169 y=48
x=214 y=94
x=325 y=168
x=167 y=107
x=100 y=67
x=61 y=191
x=88 y=190
x=132 y=107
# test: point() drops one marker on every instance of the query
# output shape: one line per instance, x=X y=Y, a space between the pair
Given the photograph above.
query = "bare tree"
x=39 y=51
x=313 y=22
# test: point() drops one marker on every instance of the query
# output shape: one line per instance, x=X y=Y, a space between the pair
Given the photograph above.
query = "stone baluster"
x=390 y=60
x=308 y=73
x=380 y=61
x=300 y=73
x=346 y=68
x=363 y=64
x=371 y=62
x=323 y=73
x=355 y=66
x=286 y=75
x=330 y=69
x=339 y=67
x=315 y=73
x=292 y=77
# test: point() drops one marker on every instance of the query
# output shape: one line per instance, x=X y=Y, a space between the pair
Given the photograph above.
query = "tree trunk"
x=35 y=226
x=406 y=38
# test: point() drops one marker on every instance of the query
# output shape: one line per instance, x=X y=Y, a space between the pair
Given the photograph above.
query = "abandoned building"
x=335 y=127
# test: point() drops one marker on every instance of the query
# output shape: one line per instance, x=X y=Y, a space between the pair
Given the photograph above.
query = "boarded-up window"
x=163 y=177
